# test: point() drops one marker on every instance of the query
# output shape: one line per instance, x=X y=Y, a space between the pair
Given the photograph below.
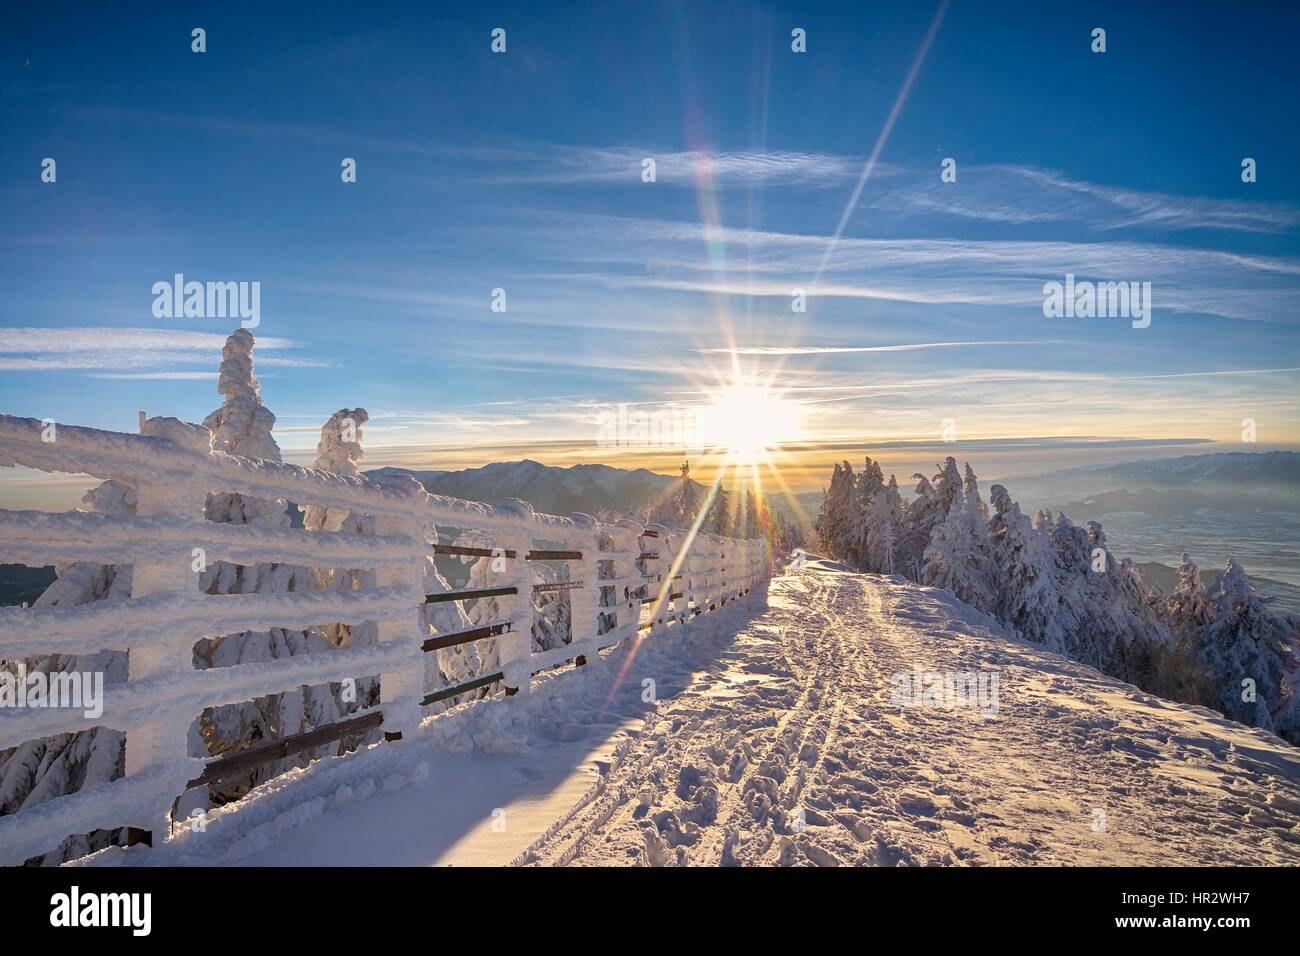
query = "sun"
x=748 y=421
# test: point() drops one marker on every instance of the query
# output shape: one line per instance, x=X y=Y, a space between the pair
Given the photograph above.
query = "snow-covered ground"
x=774 y=740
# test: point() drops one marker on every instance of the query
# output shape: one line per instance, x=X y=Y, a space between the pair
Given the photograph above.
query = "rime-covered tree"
x=869 y=482
x=1188 y=608
x=719 y=517
x=1249 y=656
x=934 y=499
x=1027 y=595
x=959 y=557
x=837 y=520
x=686 y=504
x=755 y=515
x=970 y=484
x=885 y=522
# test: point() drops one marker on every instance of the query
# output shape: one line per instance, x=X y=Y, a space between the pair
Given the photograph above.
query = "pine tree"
x=885 y=524
x=970 y=485
x=868 y=485
x=959 y=557
x=719 y=519
x=1188 y=608
x=1249 y=655
x=1027 y=596
x=753 y=516
x=686 y=505
x=837 y=521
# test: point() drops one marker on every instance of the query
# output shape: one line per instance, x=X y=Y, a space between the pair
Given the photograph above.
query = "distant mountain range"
x=1232 y=480
x=1280 y=468
x=580 y=488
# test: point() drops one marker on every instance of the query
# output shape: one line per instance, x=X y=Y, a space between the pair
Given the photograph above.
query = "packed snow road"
x=772 y=734
x=789 y=749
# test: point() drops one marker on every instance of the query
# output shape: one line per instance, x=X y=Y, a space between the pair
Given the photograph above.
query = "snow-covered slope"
x=775 y=741
x=789 y=751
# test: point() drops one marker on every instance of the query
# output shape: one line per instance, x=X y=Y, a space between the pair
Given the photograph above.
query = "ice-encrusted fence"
x=660 y=577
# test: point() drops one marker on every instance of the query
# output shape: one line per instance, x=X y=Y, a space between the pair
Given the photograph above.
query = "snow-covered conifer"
x=959 y=556
x=1250 y=656
x=1027 y=595
x=885 y=521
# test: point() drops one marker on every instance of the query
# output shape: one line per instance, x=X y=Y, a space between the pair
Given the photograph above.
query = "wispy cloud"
x=837 y=349
x=621 y=251
x=131 y=352
x=160 y=376
x=624 y=164
x=1023 y=194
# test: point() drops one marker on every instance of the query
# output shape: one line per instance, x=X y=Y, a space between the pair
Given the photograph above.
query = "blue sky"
x=522 y=171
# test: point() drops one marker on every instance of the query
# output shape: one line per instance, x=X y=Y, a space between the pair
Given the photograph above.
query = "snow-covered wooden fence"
x=660 y=577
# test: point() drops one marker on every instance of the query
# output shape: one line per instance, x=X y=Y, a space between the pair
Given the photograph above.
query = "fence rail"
x=617 y=574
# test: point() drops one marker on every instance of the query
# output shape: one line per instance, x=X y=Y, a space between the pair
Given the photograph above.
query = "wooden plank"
x=496 y=553
x=554 y=556
x=439 y=641
x=557 y=586
x=239 y=763
x=461 y=688
x=468 y=594
x=470 y=552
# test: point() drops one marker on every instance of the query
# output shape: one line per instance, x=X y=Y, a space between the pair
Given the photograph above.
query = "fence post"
x=401 y=691
x=515 y=647
x=584 y=602
x=658 y=571
x=626 y=535
x=681 y=586
x=164 y=739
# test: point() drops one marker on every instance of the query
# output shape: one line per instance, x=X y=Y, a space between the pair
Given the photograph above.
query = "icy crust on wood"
x=137 y=702
x=132 y=459
x=165 y=621
x=130 y=801
x=39 y=537
x=496 y=726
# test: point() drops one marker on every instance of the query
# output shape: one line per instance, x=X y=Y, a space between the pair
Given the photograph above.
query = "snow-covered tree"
x=1027 y=595
x=959 y=556
x=686 y=504
x=869 y=482
x=885 y=523
x=754 y=516
x=1249 y=656
x=970 y=485
x=1188 y=607
x=837 y=519
x=719 y=517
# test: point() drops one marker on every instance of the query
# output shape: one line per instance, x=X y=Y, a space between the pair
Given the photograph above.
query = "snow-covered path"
x=774 y=741
x=797 y=716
